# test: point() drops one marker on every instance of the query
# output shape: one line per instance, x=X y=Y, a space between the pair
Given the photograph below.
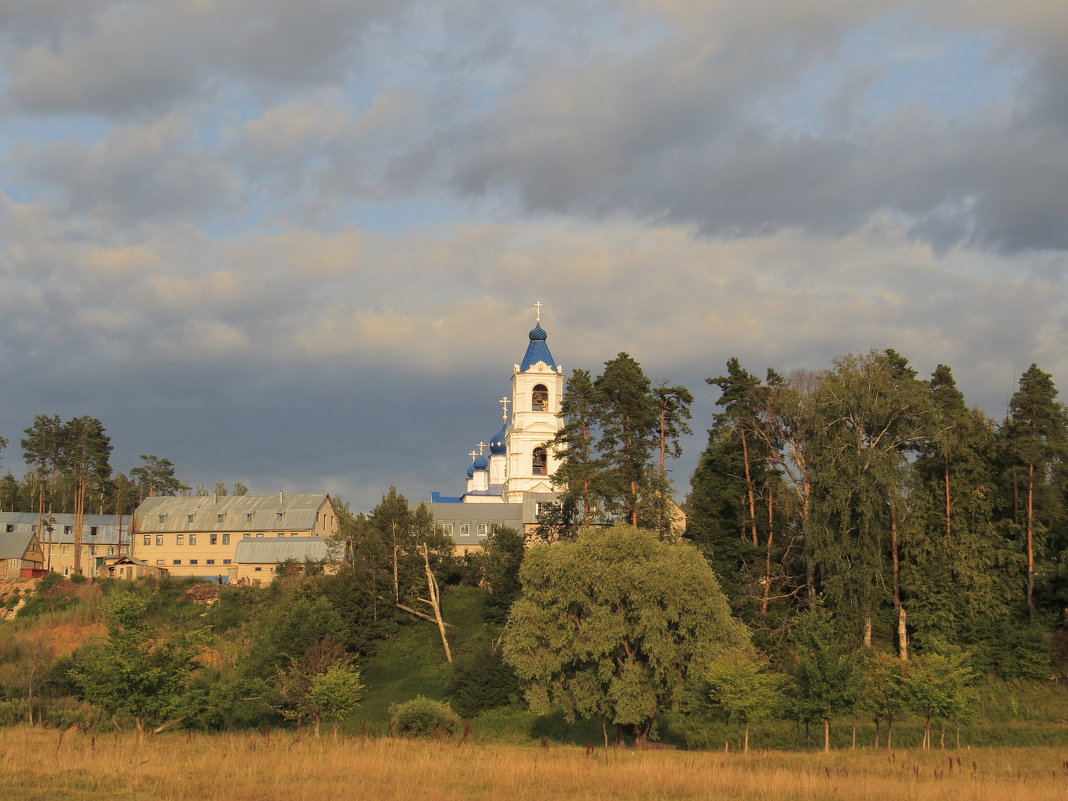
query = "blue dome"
x=481 y=463
x=537 y=350
x=497 y=442
x=471 y=471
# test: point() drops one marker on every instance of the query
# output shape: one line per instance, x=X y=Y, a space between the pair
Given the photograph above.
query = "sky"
x=298 y=245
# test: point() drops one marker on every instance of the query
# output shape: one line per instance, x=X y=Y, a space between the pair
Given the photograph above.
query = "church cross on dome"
x=481 y=445
x=504 y=401
x=537 y=311
x=472 y=455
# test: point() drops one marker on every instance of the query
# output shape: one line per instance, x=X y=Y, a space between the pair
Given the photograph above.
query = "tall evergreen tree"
x=1037 y=440
x=628 y=432
x=86 y=449
x=580 y=473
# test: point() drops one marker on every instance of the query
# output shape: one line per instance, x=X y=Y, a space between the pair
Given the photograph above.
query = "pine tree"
x=86 y=449
x=628 y=426
x=580 y=473
x=1037 y=439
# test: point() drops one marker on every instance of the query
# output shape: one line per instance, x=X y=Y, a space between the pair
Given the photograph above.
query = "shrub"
x=422 y=717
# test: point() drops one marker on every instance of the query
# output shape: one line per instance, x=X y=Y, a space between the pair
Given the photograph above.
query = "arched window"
x=539 y=398
x=539 y=463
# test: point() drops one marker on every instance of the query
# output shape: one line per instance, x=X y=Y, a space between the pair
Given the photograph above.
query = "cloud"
x=129 y=59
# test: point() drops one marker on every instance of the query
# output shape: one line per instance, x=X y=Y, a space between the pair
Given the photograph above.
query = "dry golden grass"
x=40 y=764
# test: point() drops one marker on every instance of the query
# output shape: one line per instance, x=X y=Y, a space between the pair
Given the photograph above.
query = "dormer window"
x=539 y=398
x=539 y=462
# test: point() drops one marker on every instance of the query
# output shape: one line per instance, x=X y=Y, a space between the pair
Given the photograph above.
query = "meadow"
x=38 y=764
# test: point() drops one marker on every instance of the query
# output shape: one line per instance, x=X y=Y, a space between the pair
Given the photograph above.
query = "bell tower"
x=537 y=391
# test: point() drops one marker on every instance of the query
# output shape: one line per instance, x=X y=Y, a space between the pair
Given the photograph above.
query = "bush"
x=481 y=680
x=422 y=717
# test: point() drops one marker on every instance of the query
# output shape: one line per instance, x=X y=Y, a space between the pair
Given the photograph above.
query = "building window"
x=159 y=539
x=258 y=569
x=180 y=539
x=281 y=533
x=293 y=534
x=248 y=517
x=446 y=528
x=226 y=561
x=92 y=550
x=189 y=518
x=163 y=518
x=51 y=548
x=68 y=530
x=209 y=561
x=111 y=550
x=539 y=462
x=10 y=527
x=159 y=561
x=281 y=516
x=192 y=539
x=482 y=529
x=92 y=531
x=65 y=550
x=220 y=518
x=192 y=561
x=148 y=539
x=176 y=561
x=259 y=533
x=465 y=529
x=213 y=539
x=539 y=398
x=247 y=534
x=226 y=539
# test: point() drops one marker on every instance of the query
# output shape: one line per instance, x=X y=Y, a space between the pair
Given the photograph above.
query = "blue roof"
x=497 y=447
x=481 y=463
x=537 y=350
x=437 y=497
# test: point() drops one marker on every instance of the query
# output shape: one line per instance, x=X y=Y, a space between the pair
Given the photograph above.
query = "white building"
x=518 y=467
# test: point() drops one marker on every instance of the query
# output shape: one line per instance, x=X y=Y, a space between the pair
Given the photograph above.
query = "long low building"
x=199 y=535
x=102 y=536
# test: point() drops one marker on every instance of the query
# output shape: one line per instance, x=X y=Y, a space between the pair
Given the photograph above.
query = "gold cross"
x=537 y=311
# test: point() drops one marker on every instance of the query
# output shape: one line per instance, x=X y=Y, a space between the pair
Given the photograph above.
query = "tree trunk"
x=79 y=522
x=902 y=635
x=750 y=498
x=826 y=735
x=1030 y=538
x=949 y=504
x=745 y=747
x=767 y=556
x=435 y=601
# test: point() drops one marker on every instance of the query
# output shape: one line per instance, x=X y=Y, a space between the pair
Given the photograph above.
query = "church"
x=509 y=479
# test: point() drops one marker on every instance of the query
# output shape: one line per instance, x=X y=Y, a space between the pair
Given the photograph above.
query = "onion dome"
x=537 y=350
x=480 y=463
x=496 y=445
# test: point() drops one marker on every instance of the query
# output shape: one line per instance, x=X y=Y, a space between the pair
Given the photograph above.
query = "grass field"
x=38 y=764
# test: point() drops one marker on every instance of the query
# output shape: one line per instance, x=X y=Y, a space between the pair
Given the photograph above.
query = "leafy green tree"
x=240 y=489
x=936 y=685
x=335 y=693
x=135 y=672
x=628 y=424
x=875 y=414
x=612 y=624
x=322 y=683
x=883 y=691
x=741 y=685
x=502 y=556
x=824 y=676
x=481 y=680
